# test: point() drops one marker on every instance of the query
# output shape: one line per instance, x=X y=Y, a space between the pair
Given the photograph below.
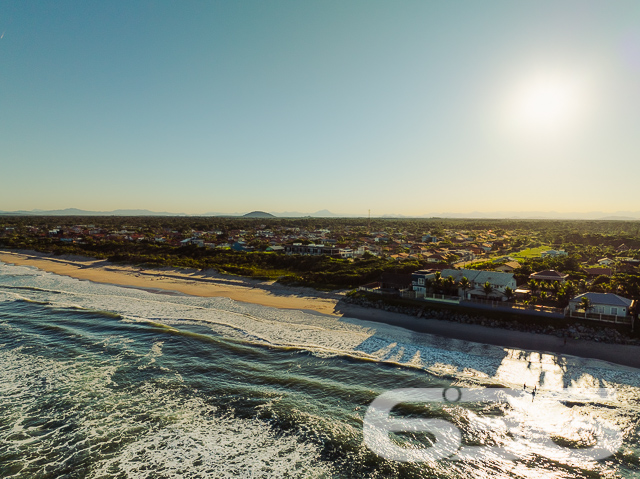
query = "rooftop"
x=608 y=299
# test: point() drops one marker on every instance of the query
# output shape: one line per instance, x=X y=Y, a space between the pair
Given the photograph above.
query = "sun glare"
x=546 y=105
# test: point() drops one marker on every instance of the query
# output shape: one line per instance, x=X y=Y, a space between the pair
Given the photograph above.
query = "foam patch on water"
x=73 y=416
x=200 y=446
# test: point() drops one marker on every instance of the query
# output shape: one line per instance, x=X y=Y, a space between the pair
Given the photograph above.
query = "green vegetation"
x=321 y=272
x=531 y=252
x=156 y=241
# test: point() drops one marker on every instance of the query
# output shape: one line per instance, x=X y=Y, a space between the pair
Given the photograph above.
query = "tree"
x=508 y=292
x=437 y=281
x=602 y=279
x=566 y=293
x=582 y=285
x=570 y=289
x=450 y=284
x=465 y=285
x=452 y=258
x=487 y=289
x=585 y=303
x=533 y=286
x=428 y=284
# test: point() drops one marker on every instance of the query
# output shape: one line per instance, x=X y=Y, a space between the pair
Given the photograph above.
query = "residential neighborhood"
x=542 y=266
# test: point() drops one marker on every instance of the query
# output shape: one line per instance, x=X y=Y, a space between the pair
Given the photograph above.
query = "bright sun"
x=546 y=104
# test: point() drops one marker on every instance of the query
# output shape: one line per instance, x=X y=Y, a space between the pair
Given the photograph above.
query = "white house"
x=477 y=279
x=602 y=303
x=605 y=261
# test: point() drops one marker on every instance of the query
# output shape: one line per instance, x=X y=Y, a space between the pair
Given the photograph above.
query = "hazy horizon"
x=407 y=109
x=324 y=213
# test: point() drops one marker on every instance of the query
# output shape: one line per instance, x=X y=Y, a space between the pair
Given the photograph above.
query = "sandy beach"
x=187 y=281
x=269 y=293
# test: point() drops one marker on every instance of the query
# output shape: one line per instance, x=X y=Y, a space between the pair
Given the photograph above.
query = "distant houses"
x=553 y=253
x=508 y=267
x=318 y=250
x=595 y=272
x=605 y=261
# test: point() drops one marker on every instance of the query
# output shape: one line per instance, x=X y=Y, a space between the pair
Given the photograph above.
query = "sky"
x=408 y=107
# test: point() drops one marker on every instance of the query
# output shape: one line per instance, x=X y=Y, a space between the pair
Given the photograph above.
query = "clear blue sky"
x=406 y=107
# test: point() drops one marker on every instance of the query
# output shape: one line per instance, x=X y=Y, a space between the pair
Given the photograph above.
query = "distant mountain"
x=617 y=218
x=529 y=215
x=258 y=214
x=323 y=214
x=317 y=214
x=542 y=215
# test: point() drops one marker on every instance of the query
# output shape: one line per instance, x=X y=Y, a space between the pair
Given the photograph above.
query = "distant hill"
x=593 y=215
x=317 y=214
x=258 y=214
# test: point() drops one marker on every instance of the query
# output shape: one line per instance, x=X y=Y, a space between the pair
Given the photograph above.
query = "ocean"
x=102 y=381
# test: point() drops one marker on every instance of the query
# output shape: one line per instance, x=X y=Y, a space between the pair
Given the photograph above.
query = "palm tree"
x=508 y=292
x=533 y=286
x=570 y=289
x=582 y=285
x=437 y=282
x=450 y=284
x=428 y=284
x=465 y=285
x=586 y=304
x=487 y=289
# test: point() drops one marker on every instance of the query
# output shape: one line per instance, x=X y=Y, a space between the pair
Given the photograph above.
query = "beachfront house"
x=477 y=279
x=601 y=306
x=420 y=279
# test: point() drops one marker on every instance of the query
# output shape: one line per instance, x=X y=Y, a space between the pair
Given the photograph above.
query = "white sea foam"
x=156 y=432
x=319 y=334
x=165 y=435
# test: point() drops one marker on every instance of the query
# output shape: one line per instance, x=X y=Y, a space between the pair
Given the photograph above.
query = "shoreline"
x=185 y=281
x=268 y=293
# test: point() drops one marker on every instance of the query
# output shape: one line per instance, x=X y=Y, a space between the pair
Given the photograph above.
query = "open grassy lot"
x=531 y=252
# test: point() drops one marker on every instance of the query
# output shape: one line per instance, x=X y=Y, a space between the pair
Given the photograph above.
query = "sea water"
x=102 y=381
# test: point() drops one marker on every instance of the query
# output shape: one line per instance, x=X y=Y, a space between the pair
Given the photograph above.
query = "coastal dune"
x=269 y=293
